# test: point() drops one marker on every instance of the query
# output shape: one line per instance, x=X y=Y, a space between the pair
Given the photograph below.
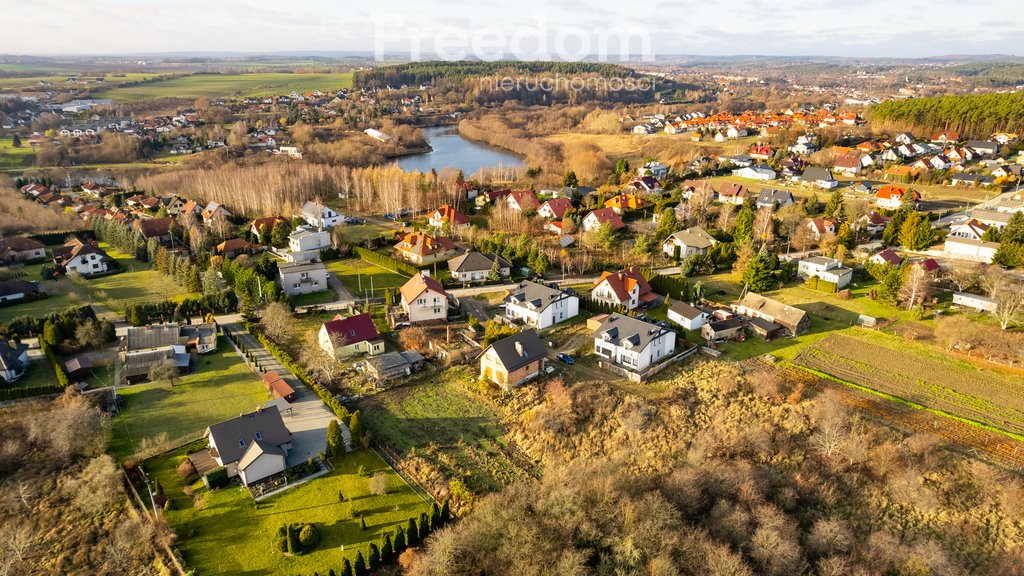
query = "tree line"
x=975 y=114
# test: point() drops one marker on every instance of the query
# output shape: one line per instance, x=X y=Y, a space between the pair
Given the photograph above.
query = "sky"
x=528 y=29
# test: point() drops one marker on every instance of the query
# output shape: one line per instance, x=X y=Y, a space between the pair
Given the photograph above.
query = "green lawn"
x=138 y=283
x=40 y=373
x=230 y=85
x=359 y=276
x=230 y=535
x=222 y=387
x=313 y=298
x=13 y=158
x=36 y=308
x=450 y=424
x=358 y=233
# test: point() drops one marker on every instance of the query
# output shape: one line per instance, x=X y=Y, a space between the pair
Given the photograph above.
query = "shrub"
x=216 y=478
x=281 y=544
x=309 y=537
x=379 y=484
x=186 y=470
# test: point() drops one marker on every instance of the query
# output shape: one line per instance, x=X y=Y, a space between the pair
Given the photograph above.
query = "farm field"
x=60 y=80
x=222 y=387
x=443 y=421
x=919 y=376
x=358 y=276
x=15 y=158
x=229 y=85
x=226 y=534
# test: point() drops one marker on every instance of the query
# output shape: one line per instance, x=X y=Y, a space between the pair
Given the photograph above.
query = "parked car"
x=563 y=357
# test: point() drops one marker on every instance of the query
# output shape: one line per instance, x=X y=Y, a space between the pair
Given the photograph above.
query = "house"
x=685 y=243
x=318 y=215
x=476 y=267
x=633 y=344
x=887 y=256
x=945 y=137
x=492 y=196
x=645 y=184
x=820 y=177
x=252 y=446
x=972 y=229
x=984 y=147
x=342 y=337
x=687 y=316
x=261 y=225
x=13 y=360
x=540 y=306
x=601 y=216
x=967 y=249
x=653 y=168
x=305 y=243
x=902 y=173
x=423 y=299
x=732 y=193
x=79 y=368
x=998 y=218
x=83 y=257
x=235 y=246
x=447 y=215
x=848 y=164
x=137 y=364
x=979 y=303
x=928 y=265
x=762 y=152
x=159 y=229
x=752 y=305
x=522 y=201
x=199 y=337
x=757 y=172
x=511 y=361
x=891 y=196
x=277 y=386
x=873 y=223
x=392 y=365
x=771 y=198
x=622 y=203
x=214 y=211
x=421 y=248
x=963 y=179
x=819 y=227
x=728 y=329
x=555 y=209
x=173 y=204
x=626 y=288
x=827 y=269
x=691 y=188
x=302 y=277
x=21 y=249
x=17 y=289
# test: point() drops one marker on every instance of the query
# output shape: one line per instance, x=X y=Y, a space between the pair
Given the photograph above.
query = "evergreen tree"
x=412 y=533
x=355 y=426
x=446 y=514
x=891 y=233
x=1014 y=229
x=743 y=227
x=399 y=541
x=570 y=180
x=621 y=167
x=52 y=334
x=425 y=526
x=246 y=308
x=346 y=568
x=758 y=276
x=279 y=236
x=834 y=203
x=359 y=566
x=386 y=551
x=812 y=205
x=494 y=274
x=666 y=225
x=335 y=440
x=15 y=141
x=435 y=516
x=373 y=558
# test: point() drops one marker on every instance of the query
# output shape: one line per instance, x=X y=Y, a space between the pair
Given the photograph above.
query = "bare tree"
x=917 y=286
x=764 y=225
x=276 y=320
x=164 y=370
x=19 y=539
x=1009 y=296
x=964 y=275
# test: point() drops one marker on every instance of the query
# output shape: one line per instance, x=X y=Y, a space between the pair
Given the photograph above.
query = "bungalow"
x=602 y=216
x=214 y=211
x=967 y=249
x=762 y=152
x=540 y=306
x=235 y=246
x=137 y=364
x=423 y=299
x=21 y=249
x=13 y=360
x=199 y=337
x=873 y=223
x=770 y=198
x=687 y=316
x=447 y=215
x=555 y=209
x=511 y=361
x=17 y=289
x=827 y=269
x=492 y=196
x=305 y=243
x=819 y=227
x=342 y=337
x=945 y=137
x=302 y=277
x=972 y=229
x=758 y=172
x=752 y=305
x=684 y=243
x=85 y=258
x=252 y=446
x=963 y=179
x=277 y=386
x=820 y=177
x=522 y=201
x=691 y=188
x=997 y=217
x=626 y=288
x=633 y=344
x=979 y=303
x=622 y=203
x=848 y=164
x=159 y=229
x=892 y=197
x=35 y=190
x=732 y=193
x=645 y=184
x=421 y=248
x=476 y=267
x=261 y=226
x=317 y=215
x=902 y=173
x=887 y=256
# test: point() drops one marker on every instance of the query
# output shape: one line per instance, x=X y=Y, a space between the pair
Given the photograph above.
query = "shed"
x=278 y=387
x=764 y=328
x=78 y=368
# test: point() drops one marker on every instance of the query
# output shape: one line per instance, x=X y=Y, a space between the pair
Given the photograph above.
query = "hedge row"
x=225 y=302
x=675 y=288
x=385 y=261
x=815 y=283
x=61 y=237
x=66 y=320
x=325 y=396
x=29 y=391
x=596 y=307
x=58 y=366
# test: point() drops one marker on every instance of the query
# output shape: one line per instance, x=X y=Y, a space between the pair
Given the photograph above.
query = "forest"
x=976 y=115
x=731 y=470
x=427 y=72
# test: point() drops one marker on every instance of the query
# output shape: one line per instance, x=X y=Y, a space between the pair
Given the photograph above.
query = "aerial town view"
x=511 y=289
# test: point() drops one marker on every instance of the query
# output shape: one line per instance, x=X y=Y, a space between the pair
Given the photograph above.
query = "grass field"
x=60 y=80
x=358 y=276
x=357 y=233
x=442 y=420
x=229 y=85
x=138 y=283
x=222 y=387
x=229 y=535
x=13 y=158
x=314 y=298
x=920 y=375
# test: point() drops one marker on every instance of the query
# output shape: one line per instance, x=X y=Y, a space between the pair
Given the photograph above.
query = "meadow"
x=230 y=85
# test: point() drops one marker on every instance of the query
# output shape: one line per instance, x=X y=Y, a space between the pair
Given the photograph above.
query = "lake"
x=450 y=150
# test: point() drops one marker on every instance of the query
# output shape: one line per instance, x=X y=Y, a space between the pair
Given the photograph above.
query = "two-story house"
x=302 y=277
x=252 y=446
x=305 y=243
x=633 y=344
x=540 y=306
x=83 y=257
x=421 y=248
x=626 y=288
x=319 y=215
x=684 y=243
x=827 y=269
x=424 y=299
x=447 y=215
x=343 y=337
x=511 y=361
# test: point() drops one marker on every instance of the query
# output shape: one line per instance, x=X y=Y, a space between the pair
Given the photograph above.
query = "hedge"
x=815 y=283
x=224 y=302
x=61 y=237
x=29 y=391
x=385 y=261
x=66 y=320
x=596 y=307
x=675 y=288
x=58 y=366
x=216 y=478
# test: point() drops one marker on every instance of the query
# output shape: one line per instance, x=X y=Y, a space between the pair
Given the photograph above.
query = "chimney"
x=519 y=349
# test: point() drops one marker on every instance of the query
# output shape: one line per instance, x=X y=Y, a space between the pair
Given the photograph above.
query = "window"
x=259 y=436
x=241 y=442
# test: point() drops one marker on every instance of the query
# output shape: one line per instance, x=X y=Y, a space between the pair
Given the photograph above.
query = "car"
x=563 y=357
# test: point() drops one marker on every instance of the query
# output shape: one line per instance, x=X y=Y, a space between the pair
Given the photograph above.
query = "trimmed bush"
x=216 y=478
x=385 y=261
x=309 y=537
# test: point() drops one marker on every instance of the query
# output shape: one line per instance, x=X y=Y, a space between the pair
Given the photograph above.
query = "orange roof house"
x=422 y=248
x=625 y=202
x=624 y=288
x=448 y=214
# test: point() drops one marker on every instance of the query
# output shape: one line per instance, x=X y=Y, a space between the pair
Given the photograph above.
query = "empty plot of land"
x=930 y=380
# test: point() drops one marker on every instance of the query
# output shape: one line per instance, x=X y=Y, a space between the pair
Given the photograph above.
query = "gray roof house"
x=513 y=360
x=13 y=360
x=475 y=266
x=303 y=277
x=540 y=306
x=252 y=446
x=694 y=240
x=769 y=197
x=633 y=345
x=820 y=177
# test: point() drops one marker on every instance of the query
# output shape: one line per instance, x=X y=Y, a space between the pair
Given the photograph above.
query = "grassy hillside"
x=229 y=85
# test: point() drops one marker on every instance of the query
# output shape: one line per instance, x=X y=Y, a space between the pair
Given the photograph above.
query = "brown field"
x=933 y=381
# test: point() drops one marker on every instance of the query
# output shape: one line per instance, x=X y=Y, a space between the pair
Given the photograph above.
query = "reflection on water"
x=453 y=151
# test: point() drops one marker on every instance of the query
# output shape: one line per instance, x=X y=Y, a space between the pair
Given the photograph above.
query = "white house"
x=13 y=361
x=756 y=173
x=979 y=303
x=539 y=306
x=971 y=229
x=694 y=240
x=967 y=249
x=252 y=446
x=424 y=299
x=306 y=242
x=827 y=269
x=653 y=168
x=320 y=216
x=633 y=344
x=85 y=258
x=687 y=316
x=302 y=277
